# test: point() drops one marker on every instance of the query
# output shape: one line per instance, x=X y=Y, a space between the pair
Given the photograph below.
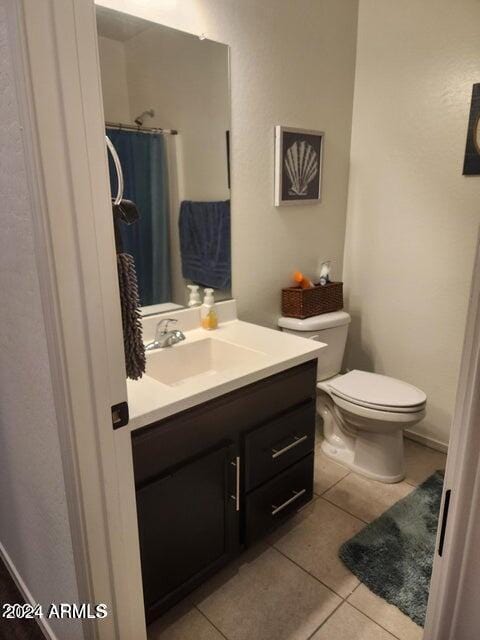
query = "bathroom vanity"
x=222 y=456
x=219 y=476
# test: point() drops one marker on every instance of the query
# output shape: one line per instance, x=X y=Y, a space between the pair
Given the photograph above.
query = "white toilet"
x=364 y=414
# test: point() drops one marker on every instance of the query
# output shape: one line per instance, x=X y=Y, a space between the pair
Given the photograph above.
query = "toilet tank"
x=331 y=328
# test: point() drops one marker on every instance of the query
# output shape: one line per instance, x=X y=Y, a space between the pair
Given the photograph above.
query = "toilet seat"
x=376 y=392
x=379 y=414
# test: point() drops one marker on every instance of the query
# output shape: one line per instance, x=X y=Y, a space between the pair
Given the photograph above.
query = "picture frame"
x=471 y=164
x=298 y=165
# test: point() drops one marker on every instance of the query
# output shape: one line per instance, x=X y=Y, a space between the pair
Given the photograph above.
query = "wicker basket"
x=304 y=303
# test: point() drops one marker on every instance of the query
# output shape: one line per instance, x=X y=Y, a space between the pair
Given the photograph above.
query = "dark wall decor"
x=298 y=165
x=471 y=165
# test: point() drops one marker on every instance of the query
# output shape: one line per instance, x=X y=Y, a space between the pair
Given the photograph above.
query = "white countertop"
x=150 y=400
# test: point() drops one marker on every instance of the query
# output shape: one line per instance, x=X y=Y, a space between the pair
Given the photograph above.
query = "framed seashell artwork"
x=298 y=165
x=471 y=165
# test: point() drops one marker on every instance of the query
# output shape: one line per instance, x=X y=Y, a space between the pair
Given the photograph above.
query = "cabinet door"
x=188 y=525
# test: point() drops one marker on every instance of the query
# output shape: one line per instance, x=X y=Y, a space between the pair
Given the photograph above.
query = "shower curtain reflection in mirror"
x=144 y=162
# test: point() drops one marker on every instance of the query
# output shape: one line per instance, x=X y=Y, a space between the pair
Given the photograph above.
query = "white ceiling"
x=119 y=26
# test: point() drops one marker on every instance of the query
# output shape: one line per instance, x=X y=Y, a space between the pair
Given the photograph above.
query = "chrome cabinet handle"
x=297 y=440
x=296 y=496
x=236 y=497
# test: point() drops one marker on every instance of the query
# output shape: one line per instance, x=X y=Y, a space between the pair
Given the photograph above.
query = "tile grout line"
x=371 y=619
x=322 y=495
x=342 y=601
x=347 y=512
x=273 y=545
x=342 y=598
x=359 y=583
x=333 y=485
x=210 y=622
x=356 y=516
x=313 y=576
x=411 y=483
x=326 y=619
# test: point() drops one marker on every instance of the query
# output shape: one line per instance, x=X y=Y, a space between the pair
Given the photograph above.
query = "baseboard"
x=22 y=587
x=425 y=440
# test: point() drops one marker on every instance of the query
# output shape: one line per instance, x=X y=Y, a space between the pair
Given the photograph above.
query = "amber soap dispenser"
x=208 y=313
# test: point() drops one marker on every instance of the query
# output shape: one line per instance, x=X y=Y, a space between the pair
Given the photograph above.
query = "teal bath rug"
x=393 y=556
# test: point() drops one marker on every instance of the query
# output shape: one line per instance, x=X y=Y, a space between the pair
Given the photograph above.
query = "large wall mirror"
x=166 y=98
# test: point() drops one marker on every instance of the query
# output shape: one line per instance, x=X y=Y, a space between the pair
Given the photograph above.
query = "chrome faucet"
x=164 y=337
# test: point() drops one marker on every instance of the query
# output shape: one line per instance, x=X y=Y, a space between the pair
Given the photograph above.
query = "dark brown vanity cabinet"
x=214 y=478
x=188 y=524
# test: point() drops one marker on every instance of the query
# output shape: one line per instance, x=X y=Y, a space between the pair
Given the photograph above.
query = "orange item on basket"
x=304 y=282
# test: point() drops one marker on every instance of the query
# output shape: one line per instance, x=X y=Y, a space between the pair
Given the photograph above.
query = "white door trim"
x=462 y=477
x=50 y=307
x=62 y=119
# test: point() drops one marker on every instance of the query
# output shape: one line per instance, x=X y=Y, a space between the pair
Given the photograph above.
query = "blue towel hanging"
x=205 y=243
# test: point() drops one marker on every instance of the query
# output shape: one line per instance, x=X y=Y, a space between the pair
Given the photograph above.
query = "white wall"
x=292 y=63
x=412 y=216
x=34 y=526
x=113 y=67
x=185 y=81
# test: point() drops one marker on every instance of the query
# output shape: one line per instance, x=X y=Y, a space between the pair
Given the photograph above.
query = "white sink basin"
x=188 y=361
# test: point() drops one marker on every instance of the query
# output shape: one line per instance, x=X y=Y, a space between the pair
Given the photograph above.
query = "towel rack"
x=118 y=169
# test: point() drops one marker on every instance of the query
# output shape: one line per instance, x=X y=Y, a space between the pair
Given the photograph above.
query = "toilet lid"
x=375 y=390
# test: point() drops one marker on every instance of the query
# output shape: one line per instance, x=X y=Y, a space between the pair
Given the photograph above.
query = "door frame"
x=62 y=127
x=61 y=110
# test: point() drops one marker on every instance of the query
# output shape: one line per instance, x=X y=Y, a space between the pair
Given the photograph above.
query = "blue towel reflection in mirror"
x=204 y=229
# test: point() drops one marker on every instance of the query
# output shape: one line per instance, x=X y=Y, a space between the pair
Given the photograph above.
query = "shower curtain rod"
x=132 y=127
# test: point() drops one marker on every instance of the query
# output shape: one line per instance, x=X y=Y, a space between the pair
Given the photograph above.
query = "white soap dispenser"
x=194 y=298
x=208 y=315
x=324 y=273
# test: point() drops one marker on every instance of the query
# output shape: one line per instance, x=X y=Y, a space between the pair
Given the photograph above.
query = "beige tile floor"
x=293 y=586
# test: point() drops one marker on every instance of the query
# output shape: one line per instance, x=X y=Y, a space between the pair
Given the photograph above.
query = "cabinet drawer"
x=278 y=444
x=275 y=501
